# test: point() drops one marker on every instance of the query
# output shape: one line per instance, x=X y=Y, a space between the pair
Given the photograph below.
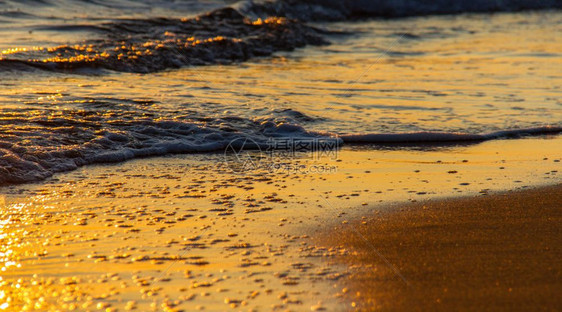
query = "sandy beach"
x=488 y=253
x=280 y=155
x=181 y=234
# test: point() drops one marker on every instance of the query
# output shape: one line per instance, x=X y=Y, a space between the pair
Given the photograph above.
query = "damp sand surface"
x=497 y=253
x=186 y=232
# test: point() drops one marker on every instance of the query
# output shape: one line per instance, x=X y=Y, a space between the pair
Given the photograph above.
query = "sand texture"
x=498 y=252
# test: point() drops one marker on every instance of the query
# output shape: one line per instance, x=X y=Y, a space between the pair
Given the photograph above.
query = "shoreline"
x=495 y=252
x=182 y=233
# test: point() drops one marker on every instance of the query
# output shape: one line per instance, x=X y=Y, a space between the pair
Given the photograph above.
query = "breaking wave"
x=332 y=10
x=237 y=33
x=143 y=46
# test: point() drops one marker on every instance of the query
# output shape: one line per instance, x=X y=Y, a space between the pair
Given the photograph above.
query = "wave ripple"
x=149 y=45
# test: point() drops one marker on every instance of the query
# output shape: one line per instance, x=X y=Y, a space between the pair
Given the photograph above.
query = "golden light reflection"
x=88 y=53
x=120 y=223
x=270 y=20
x=82 y=251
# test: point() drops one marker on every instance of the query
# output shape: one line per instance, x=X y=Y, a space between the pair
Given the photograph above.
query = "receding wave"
x=446 y=137
x=34 y=147
x=39 y=140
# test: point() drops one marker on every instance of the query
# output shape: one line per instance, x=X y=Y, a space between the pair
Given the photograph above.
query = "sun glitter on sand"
x=179 y=233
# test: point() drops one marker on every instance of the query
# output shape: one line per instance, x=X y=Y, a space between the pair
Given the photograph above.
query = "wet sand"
x=185 y=232
x=498 y=252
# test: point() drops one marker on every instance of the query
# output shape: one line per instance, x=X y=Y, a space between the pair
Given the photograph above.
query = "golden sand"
x=498 y=252
x=184 y=233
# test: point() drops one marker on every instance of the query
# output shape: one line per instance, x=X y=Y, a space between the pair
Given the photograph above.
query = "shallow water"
x=469 y=73
x=184 y=232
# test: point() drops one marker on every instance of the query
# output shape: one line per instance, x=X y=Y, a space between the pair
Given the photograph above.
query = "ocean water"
x=88 y=82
